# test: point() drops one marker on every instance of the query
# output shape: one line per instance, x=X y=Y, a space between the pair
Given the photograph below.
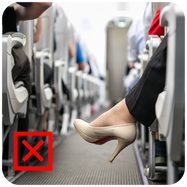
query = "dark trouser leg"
x=47 y=74
x=142 y=98
x=21 y=69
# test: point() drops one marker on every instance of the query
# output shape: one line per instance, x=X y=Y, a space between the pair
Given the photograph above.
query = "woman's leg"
x=119 y=122
x=142 y=98
x=139 y=104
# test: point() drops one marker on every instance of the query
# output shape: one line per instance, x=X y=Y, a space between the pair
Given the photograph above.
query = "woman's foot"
x=117 y=123
x=119 y=114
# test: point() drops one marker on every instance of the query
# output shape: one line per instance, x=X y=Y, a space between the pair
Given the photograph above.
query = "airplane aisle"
x=77 y=162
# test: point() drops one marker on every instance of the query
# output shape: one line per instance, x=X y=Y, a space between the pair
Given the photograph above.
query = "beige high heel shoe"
x=124 y=133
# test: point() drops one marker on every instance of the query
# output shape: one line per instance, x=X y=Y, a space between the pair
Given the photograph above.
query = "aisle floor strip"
x=141 y=167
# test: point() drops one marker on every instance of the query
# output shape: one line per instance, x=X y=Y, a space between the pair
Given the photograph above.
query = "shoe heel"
x=121 y=145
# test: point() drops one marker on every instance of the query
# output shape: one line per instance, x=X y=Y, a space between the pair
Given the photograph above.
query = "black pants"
x=142 y=98
x=47 y=74
x=21 y=69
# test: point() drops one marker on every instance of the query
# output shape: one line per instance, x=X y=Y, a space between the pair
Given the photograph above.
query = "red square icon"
x=33 y=151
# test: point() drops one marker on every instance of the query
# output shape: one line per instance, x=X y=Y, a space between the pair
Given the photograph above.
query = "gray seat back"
x=14 y=99
x=170 y=112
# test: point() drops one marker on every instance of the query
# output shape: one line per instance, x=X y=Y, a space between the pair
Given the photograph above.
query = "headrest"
x=169 y=9
x=179 y=7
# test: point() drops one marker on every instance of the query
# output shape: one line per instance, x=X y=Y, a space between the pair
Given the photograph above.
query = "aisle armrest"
x=43 y=92
x=58 y=71
x=73 y=91
x=153 y=41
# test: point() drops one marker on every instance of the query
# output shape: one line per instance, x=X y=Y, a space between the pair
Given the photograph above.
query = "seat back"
x=27 y=28
x=170 y=103
x=72 y=36
x=170 y=112
x=14 y=94
x=14 y=99
x=43 y=93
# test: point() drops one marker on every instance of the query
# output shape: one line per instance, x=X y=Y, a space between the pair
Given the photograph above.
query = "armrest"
x=58 y=71
x=18 y=84
x=152 y=43
x=44 y=93
x=143 y=57
x=72 y=71
x=14 y=40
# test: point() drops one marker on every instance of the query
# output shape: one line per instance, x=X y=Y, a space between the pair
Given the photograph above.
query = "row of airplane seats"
x=52 y=48
x=170 y=103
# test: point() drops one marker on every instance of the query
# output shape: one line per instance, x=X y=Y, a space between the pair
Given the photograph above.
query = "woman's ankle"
x=119 y=114
x=122 y=114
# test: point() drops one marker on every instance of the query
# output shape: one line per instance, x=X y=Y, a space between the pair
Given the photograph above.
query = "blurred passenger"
x=77 y=53
x=155 y=28
x=147 y=19
x=92 y=68
x=136 y=44
x=72 y=50
x=137 y=36
x=79 y=57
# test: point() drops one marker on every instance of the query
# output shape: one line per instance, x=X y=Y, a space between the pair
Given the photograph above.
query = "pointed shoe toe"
x=85 y=131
